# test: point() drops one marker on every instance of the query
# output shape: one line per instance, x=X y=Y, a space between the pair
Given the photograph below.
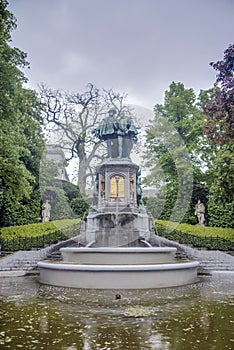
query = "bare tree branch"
x=73 y=116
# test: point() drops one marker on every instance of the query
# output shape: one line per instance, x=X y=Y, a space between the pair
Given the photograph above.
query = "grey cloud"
x=135 y=46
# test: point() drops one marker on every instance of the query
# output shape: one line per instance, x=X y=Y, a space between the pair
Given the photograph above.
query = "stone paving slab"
x=15 y=273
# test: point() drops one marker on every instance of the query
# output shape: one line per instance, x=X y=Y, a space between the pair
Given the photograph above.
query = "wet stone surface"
x=193 y=317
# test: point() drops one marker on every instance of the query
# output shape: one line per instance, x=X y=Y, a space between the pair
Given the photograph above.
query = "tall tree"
x=73 y=116
x=220 y=109
x=20 y=131
x=173 y=150
x=219 y=130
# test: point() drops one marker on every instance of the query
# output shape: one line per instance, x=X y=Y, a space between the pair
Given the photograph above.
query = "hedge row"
x=198 y=236
x=25 y=237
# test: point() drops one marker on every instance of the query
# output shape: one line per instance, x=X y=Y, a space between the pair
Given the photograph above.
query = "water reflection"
x=195 y=317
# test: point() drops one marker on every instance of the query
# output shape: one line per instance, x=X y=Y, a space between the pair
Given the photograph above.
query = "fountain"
x=114 y=249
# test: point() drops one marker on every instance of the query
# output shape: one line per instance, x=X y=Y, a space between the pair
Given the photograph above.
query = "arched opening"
x=117 y=188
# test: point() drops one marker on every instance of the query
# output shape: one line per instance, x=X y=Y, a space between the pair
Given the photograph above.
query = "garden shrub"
x=21 y=213
x=37 y=235
x=220 y=214
x=198 y=236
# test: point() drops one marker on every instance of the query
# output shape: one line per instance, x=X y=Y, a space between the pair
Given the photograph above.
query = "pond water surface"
x=193 y=317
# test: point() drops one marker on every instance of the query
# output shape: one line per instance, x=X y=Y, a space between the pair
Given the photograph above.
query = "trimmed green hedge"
x=25 y=237
x=197 y=236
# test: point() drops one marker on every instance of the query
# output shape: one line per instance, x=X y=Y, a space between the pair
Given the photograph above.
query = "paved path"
x=210 y=260
x=25 y=261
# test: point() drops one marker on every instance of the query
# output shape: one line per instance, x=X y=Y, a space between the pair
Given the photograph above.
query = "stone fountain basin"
x=118 y=255
x=117 y=276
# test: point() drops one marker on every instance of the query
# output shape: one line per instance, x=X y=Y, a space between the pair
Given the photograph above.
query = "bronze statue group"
x=119 y=132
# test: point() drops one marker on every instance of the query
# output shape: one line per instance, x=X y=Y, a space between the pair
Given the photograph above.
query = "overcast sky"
x=134 y=46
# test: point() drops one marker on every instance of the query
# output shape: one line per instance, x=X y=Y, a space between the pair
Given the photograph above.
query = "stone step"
x=216 y=264
x=57 y=256
x=209 y=263
x=209 y=260
x=3 y=254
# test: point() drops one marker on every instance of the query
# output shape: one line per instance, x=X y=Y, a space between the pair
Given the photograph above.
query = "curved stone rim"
x=119 y=250
x=116 y=268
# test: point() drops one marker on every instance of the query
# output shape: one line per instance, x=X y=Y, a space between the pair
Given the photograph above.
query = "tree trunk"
x=82 y=170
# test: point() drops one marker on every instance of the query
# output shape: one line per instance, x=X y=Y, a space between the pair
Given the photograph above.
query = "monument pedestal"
x=117 y=220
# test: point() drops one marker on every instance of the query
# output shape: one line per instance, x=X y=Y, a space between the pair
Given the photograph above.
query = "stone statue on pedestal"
x=46 y=207
x=200 y=212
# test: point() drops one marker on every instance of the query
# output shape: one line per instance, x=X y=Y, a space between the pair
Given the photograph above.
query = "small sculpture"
x=200 y=212
x=139 y=189
x=46 y=207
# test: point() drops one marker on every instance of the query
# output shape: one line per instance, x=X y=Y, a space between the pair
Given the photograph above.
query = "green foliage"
x=65 y=198
x=72 y=191
x=22 y=212
x=21 y=138
x=154 y=205
x=78 y=202
x=220 y=109
x=60 y=206
x=222 y=175
x=181 y=112
x=51 y=189
x=80 y=206
x=198 y=236
x=37 y=235
x=173 y=153
x=220 y=213
x=161 y=206
x=220 y=203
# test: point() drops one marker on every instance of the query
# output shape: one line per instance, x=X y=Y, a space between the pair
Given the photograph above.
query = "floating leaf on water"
x=138 y=311
x=187 y=329
x=8 y=339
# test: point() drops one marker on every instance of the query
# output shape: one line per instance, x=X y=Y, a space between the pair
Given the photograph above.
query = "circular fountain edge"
x=118 y=249
x=118 y=276
x=145 y=267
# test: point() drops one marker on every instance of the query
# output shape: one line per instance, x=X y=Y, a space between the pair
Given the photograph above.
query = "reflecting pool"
x=198 y=316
